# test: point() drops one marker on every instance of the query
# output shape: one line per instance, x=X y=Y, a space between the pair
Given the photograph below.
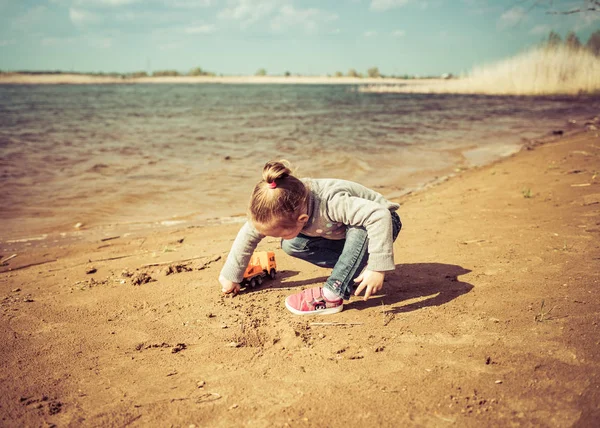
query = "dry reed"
x=540 y=71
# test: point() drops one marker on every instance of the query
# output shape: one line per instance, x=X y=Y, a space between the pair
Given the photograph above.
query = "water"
x=139 y=155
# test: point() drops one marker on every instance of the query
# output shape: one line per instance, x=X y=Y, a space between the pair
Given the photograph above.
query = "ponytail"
x=279 y=197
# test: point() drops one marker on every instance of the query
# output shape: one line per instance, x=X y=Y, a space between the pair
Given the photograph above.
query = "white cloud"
x=152 y=18
x=476 y=6
x=57 y=41
x=127 y=16
x=94 y=3
x=370 y=33
x=398 y=33
x=200 y=29
x=381 y=5
x=91 y=41
x=100 y=42
x=169 y=46
x=485 y=7
x=585 y=20
x=111 y=3
x=180 y=21
x=282 y=13
x=32 y=17
x=511 y=18
x=187 y=4
x=540 y=29
x=250 y=11
x=118 y=2
x=308 y=19
x=81 y=17
x=176 y=4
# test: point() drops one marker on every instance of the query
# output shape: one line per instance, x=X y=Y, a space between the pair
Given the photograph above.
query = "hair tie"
x=272 y=185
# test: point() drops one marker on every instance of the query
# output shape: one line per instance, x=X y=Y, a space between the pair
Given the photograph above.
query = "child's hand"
x=371 y=281
x=228 y=287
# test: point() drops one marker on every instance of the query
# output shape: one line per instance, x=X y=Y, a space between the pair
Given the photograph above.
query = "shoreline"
x=50 y=237
x=80 y=79
x=80 y=231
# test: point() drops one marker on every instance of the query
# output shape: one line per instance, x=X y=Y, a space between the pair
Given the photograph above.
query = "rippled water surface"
x=139 y=154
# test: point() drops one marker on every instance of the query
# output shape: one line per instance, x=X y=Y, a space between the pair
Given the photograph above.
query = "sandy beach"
x=66 y=78
x=74 y=79
x=490 y=318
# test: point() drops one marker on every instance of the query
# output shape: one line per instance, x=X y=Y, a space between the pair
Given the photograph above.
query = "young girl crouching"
x=331 y=223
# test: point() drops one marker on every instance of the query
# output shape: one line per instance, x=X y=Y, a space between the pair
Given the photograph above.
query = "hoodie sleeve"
x=241 y=251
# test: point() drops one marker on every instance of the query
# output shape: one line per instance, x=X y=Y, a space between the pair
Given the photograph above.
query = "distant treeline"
x=77 y=73
x=371 y=72
x=159 y=73
x=58 y=72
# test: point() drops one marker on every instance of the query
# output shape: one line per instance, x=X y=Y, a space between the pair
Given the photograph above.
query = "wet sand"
x=490 y=319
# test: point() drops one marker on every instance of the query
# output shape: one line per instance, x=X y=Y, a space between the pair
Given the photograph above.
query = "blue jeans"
x=348 y=257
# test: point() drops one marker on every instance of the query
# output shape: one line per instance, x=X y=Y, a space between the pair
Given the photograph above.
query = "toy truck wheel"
x=252 y=283
x=272 y=273
x=259 y=280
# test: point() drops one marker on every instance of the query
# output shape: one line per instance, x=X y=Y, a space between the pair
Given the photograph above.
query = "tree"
x=373 y=72
x=162 y=73
x=338 y=74
x=196 y=72
x=199 y=72
x=288 y=74
x=553 y=39
x=572 y=41
x=352 y=73
x=593 y=43
x=261 y=72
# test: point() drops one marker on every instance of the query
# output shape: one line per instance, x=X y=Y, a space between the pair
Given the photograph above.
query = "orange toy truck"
x=261 y=264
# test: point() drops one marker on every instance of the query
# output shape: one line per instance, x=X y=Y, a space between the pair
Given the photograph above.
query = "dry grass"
x=540 y=71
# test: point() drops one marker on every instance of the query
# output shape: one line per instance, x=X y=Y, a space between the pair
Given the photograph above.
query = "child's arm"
x=242 y=248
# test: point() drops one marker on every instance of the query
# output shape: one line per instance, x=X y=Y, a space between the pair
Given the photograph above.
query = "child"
x=331 y=223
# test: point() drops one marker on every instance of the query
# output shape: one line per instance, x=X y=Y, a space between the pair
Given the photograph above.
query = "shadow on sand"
x=410 y=287
x=418 y=285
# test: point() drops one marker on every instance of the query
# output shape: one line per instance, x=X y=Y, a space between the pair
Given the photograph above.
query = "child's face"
x=282 y=231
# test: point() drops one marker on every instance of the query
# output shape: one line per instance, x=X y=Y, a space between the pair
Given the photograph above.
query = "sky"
x=308 y=37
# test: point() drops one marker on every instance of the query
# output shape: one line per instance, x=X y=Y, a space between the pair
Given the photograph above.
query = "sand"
x=66 y=78
x=490 y=319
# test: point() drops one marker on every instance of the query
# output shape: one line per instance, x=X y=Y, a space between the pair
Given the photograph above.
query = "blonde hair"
x=279 y=196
